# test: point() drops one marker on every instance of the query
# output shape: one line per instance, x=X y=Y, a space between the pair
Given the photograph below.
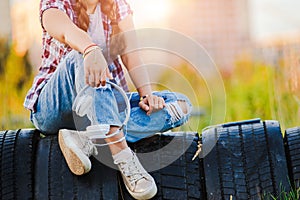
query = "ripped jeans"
x=54 y=106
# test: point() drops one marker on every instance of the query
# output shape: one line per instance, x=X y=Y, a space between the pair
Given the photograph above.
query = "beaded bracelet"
x=90 y=49
x=91 y=45
x=143 y=97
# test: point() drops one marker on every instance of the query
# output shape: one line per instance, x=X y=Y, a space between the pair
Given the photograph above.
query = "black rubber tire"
x=292 y=147
x=244 y=160
x=17 y=156
x=180 y=180
x=54 y=180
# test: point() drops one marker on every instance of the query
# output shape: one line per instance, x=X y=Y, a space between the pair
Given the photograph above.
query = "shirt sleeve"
x=123 y=9
x=63 y=5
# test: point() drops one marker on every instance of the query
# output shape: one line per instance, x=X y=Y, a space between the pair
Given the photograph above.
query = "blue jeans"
x=54 y=106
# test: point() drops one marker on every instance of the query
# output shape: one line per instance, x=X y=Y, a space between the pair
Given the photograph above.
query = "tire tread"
x=247 y=165
x=17 y=152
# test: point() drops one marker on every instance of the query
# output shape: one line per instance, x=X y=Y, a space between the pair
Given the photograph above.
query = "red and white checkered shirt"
x=54 y=51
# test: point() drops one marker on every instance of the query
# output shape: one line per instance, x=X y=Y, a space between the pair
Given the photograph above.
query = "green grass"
x=15 y=80
x=253 y=90
x=294 y=194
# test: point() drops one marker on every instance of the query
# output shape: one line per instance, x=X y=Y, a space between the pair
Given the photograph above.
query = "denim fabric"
x=54 y=106
x=106 y=108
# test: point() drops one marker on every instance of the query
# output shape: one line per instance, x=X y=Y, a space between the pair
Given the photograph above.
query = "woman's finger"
x=92 y=79
x=149 y=100
x=152 y=104
x=103 y=78
x=160 y=103
x=144 y=106
x=155 y=103
x=87 y=75
x=97 y=79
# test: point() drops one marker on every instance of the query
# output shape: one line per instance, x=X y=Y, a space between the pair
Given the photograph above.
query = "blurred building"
x=5 y=22
x=26 y=29
x=221 y=26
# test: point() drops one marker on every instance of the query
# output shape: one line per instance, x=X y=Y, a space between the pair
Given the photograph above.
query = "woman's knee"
x=184 y=103
x=179 y=109
x=184 y=106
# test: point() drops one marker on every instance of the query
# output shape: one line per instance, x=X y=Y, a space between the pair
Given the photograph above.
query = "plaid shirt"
x=54 y=51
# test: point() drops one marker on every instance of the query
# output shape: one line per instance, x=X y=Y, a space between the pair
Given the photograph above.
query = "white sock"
x=122 y=155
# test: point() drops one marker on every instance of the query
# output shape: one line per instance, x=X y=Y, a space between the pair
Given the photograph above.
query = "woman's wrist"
x=145 y=91
x=143 y=97
x=90 y=48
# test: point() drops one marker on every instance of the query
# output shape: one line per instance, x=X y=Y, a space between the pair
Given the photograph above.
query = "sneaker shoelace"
x=132 y=169
x=88 y=147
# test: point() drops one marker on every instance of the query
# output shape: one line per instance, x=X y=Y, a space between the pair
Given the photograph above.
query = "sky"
x=274 y=17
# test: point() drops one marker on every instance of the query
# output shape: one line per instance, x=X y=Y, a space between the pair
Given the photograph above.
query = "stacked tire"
x=181 y=179
x=244 y=160
x=292 y=141
x=239 y=160
x=32 y=167
x=55 y=181
x=17 y=158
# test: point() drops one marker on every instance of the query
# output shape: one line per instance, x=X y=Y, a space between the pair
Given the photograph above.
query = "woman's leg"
x=54 y=113
x=106 y=111
x=54 y=106
x=138 y=181
x=140 y=125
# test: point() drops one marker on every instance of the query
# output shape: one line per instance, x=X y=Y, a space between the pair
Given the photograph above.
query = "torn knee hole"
x=183 y=105
x=177 y=109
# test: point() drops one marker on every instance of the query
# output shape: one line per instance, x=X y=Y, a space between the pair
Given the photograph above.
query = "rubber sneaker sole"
x=148 y=194
x=75 y=159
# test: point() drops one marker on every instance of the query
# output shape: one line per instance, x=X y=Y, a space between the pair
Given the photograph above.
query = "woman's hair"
x=108 y=7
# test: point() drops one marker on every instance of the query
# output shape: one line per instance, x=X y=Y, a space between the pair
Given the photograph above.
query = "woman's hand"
x=152 y=103
x=95 y=68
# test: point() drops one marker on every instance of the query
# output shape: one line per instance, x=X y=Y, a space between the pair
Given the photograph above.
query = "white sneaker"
x=138 y=181
x=76 y=148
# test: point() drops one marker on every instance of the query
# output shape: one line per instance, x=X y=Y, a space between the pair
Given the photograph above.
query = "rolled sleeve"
x=123 y=9
x=63 y=5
